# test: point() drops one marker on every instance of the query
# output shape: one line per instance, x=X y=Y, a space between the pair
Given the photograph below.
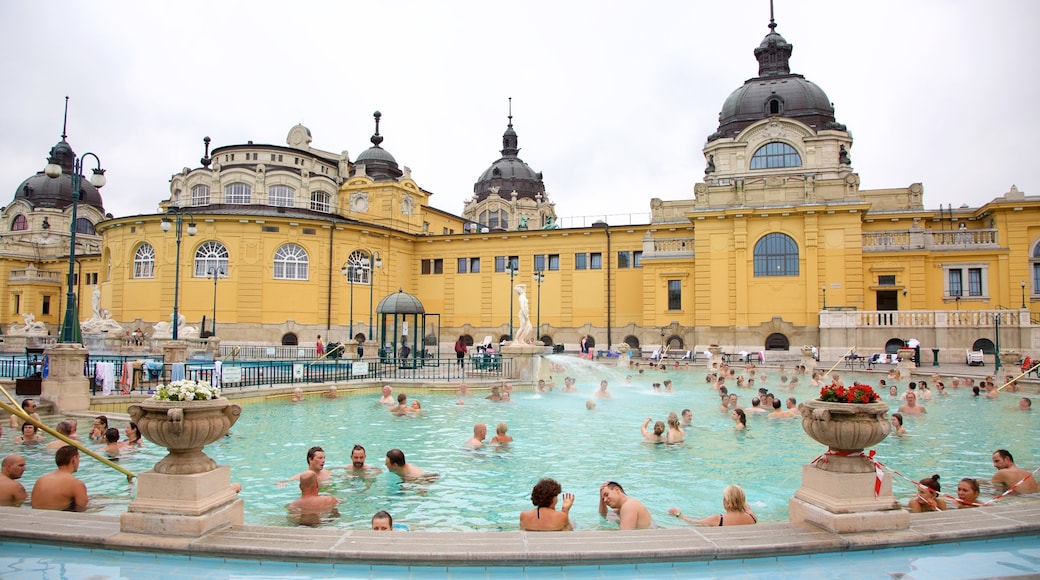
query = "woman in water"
x=927 y=499
x=897 y=425
x=544 y=496
x=737 y=511
x=675 y=432
x=133 y=435
x=968 y=493
x=29 y=435
x=740 y=418
x=657 y=436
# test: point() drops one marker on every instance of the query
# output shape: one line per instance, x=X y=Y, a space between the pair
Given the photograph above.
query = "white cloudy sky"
x=612 y=101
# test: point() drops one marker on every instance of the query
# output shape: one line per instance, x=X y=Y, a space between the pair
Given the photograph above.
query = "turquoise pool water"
x=987 y=559
x=556 y=436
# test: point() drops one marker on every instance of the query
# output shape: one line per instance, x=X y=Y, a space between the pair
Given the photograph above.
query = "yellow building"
x=779 y=247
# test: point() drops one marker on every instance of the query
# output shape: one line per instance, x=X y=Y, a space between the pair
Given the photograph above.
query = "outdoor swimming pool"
x=556 y=436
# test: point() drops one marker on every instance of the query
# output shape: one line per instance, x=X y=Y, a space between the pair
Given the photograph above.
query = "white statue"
x=163 y=329
x=95 y=301
x=524 y=335
x=32 y=326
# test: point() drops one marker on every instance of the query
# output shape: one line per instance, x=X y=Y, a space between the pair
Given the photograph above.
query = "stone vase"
x=1010 y=358
x=184 y=428
x=845 y=428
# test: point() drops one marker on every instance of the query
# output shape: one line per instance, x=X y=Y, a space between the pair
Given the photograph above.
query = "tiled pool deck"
x=328 y=545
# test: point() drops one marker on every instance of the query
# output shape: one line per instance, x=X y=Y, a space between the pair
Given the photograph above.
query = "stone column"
x=906 y=362
x=527 y=359
x=65 y=387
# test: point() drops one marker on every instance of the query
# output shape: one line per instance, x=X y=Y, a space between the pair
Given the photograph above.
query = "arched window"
x=238 y=193
x=144 y=261
x=290 y=263
x=359 y=266
x=320 y=201
x=775 y=106
x=19 y=223
x=84 y=226
x=211 y=256
x=775 y=155
x=777 y=341
x=281 y=196
x=776 y=255
x=200 y=195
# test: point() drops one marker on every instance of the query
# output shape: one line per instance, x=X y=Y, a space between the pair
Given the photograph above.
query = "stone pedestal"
x=65 y=387
x=845 y=502
x=183 y=505
x=527 y=360
x=906 y=362
x=175 y=351
x=808 y=361
x=1010 y=359
x=716 y=357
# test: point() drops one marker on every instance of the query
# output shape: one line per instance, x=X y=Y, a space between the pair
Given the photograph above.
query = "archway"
x=290 y=339
x=503 y=339
x=985 y=345
x=893 y=345
x=546 y=340
x=674 y=342
x=632 y=342
x=777 y=341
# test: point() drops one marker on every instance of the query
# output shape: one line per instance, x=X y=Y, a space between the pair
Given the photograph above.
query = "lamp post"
x=824 y=289
x=539 y=277
x=374 y=261
x=1023 y=284
x=216 y=273
x=512 y=269
x=348 y=270
x=70 y=324
x=166 y=225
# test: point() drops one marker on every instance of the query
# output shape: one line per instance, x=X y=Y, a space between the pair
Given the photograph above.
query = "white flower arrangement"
x=186 y=390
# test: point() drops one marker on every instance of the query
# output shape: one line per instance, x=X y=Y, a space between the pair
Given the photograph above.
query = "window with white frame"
x=211 y=256
x=281 y=196
x=290 y=263
x=965 y=281
x=320 y=201
x=144 y=261
x=200 y=195
x=238 y=193
x=359 y=267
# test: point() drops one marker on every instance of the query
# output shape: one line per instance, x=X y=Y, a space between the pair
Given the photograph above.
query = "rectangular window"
x=539 y=263
x=624 y=259
x=463 y=265
x=17 y=303
x=581 y=261
x=975 y=281
x=595 y=261
x=886 y=280
x=320 y=201
x=500 y=263
x=637 y=259
x=675 y=295
x=554 y=262
x=433 y=266
x=200 y=195
x=426 y=267
x=474 y=265
x=46 y=305
x=956 y=285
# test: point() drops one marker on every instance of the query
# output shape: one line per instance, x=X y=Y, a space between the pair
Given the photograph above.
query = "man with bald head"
x=12 y=493
x=479 y=434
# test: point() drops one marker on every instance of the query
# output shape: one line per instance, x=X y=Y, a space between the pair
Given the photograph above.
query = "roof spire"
x=65 y=120
x=509 y=140
x=774 y=53
x=772 y=21
x=377 y=138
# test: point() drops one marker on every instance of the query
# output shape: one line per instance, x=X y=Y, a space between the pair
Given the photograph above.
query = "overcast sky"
x=611 y=101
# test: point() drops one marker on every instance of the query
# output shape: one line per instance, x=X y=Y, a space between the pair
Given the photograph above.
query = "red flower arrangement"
x=855 y=394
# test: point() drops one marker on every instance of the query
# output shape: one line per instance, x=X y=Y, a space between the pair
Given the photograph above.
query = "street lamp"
x=70 y=325
x=512 y=269
x=996 y=347
x=166 y=225
x=1023 y=284
x=216 y=273
x=375 y=261
x=350 y=271
x=539 y=277
x=824 y=289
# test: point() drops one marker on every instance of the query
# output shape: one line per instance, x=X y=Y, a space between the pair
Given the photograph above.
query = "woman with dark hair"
x=544 y=497
x=740 y=418
x=133 y=435
x=927 y=499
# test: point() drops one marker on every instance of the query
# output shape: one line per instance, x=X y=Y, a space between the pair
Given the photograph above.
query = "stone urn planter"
x=715 y=350
x=807 y=352
x=1010 y=358
x=846 y=428
x=184 y=428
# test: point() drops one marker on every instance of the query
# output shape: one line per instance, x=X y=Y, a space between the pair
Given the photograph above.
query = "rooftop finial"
x=206 y=159
x=772 y=21
x=510 y=111
x=377 y=138
x=65 y=121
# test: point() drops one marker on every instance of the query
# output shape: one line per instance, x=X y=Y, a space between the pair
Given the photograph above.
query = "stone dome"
x=400 y=303
x=379 y=164
x=775 y=92
x=42 y=191
x=509 y=173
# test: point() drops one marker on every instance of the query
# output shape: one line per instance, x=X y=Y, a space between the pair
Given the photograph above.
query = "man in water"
x=29 y=406
x=310 y=506
x=911 y=407
x=357 y=467
x=629 y=511
x=315 y=465
x=387 y=398
x=59 y=489
x=479 y=434
x=687 y=417
x=395 y=462
x=1008 y=474
x=65 y=428
x=12 y=493
x=602 y=393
